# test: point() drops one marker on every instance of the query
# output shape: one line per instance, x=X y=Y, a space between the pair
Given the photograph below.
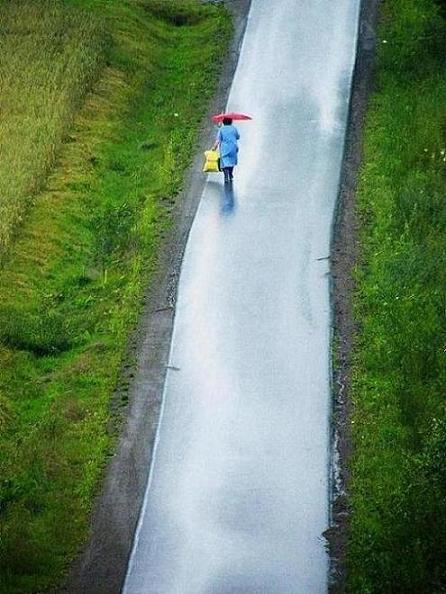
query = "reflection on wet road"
x=228 y=200
x=238 y=493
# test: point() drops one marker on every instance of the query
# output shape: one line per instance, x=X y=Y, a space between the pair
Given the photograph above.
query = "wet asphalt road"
x=238 y=493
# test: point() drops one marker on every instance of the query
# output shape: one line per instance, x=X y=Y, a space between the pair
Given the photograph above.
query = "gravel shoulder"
x=101 y=567
x=344 y=255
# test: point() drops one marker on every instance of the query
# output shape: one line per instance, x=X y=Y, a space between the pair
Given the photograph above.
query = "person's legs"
x=231 y=173
x=226 y=174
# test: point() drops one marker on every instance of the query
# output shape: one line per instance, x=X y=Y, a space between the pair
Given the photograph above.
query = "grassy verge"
x=397 y=534
x=71 y=283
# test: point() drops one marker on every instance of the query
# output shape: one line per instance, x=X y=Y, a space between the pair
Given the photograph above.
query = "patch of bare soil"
x=344 y=255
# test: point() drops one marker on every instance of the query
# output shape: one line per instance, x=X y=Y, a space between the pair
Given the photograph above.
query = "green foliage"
x=72 y=279
x=398 y=526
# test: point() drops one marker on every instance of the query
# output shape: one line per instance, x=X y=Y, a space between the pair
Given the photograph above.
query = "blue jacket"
x=228 y=136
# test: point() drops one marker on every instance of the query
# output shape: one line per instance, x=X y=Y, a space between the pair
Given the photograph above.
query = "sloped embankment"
x=87 y=236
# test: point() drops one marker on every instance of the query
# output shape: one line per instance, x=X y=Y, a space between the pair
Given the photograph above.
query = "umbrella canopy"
x=232 y=115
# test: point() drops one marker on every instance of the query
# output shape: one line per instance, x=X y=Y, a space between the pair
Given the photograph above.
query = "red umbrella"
x=232 y=115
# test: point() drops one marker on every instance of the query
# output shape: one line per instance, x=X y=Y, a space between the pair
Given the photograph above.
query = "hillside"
x=100 y=113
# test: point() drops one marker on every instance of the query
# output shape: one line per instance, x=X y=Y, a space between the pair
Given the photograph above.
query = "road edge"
x=344 y=256
x=101 y=567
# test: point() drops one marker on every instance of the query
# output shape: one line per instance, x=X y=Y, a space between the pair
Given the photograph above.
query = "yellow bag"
x=211 y=163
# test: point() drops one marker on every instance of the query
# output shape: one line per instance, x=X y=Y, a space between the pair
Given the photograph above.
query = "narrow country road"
x=238 y=493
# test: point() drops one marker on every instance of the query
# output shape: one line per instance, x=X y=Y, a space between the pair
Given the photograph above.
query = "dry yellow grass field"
x=49 y=58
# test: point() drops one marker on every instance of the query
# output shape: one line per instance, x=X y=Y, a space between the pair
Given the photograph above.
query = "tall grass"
x=398 y=525
x=50 y=55
x=72 y=280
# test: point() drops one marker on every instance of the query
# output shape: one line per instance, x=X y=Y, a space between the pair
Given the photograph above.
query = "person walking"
x=227 y=138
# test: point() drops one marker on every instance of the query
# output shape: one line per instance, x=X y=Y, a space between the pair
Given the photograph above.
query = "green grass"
x=397 y=534
x=72 y=279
